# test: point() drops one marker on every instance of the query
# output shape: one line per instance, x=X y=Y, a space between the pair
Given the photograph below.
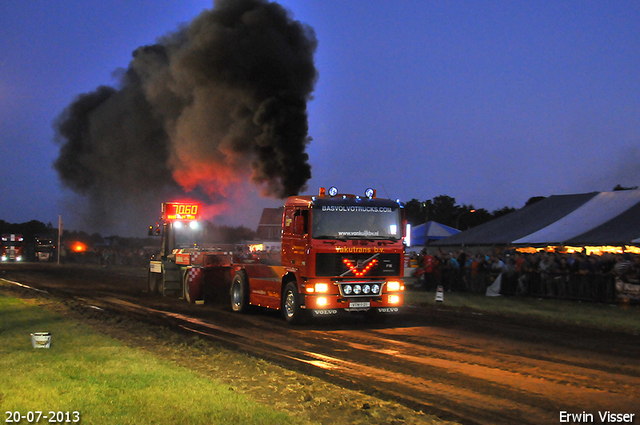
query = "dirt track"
x=455 y=364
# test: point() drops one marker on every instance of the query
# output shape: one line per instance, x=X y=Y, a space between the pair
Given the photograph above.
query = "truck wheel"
x=239 y=293
x=291 y=304
x=152 y=283
x=160 y=283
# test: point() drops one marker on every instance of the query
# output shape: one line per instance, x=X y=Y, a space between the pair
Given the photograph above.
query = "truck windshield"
x=356 y=222
x=186 y=237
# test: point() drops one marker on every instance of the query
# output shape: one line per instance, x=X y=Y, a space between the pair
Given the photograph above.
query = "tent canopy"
x=594 y=218
x=429 y=231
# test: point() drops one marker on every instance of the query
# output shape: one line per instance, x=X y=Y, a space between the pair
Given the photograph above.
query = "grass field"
x=619 y=317
x=115 y=370
x=105 y=381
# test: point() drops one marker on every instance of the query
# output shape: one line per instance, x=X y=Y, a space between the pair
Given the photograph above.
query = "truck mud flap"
x=172 y=280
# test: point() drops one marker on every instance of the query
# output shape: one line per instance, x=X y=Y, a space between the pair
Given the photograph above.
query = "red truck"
x=339 y=253
x=12 y=247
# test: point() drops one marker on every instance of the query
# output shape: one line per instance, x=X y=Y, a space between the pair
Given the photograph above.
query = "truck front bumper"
x=337 y=302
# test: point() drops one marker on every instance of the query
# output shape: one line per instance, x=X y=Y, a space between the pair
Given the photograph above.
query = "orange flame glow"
x=78 y=247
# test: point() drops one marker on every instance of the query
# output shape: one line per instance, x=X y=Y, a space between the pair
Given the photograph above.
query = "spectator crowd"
x=542 y=274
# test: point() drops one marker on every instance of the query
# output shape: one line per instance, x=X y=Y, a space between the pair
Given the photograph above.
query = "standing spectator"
x=527 y=267
x=449 y=271
x=428 y=266
x=547 y=269
x=462 y=270
x=478 y=273
x=562 y=277
x=623 y=267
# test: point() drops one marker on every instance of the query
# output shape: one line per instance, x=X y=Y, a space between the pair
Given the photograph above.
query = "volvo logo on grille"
x=325 y=312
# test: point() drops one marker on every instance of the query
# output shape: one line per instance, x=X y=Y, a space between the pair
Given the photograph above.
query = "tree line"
x=444 y=210
x=210 y=233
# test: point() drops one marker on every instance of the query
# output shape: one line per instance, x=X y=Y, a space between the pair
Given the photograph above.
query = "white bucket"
x=41 y=339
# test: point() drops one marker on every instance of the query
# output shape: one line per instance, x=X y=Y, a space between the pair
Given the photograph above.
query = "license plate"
x=361 y=304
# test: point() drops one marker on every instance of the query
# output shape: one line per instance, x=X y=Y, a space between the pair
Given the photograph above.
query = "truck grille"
x=334 y=265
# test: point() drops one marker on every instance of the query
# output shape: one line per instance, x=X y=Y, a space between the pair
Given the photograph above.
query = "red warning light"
x=355 y=270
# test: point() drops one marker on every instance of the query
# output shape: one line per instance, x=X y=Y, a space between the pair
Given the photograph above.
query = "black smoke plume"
x=219 y=102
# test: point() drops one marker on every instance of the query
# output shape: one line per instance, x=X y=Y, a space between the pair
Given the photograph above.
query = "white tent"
x=595 y=218
x=598 y=210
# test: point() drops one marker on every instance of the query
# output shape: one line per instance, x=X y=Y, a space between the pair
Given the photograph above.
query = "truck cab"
x=345 y=252
x=44 y=247
x=12 y=248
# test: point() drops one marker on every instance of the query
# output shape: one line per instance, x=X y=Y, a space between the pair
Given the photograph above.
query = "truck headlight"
x=318 y=288
x=393 y=285
x=322 y=287
x=348 y=289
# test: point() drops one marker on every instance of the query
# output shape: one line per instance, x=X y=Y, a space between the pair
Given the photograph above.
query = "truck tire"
x=185 y=287
x=160 y=283
x=291 y=304
x=239 y=293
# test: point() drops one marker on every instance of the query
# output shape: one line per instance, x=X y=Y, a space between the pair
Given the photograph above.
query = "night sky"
x=489 y=102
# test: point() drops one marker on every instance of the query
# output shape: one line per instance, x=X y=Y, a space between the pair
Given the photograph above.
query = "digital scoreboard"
x=180 y=211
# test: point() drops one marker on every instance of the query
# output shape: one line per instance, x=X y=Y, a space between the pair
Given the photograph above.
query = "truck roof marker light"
x=322 y=192
x=333 y=191
x=370 y=193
